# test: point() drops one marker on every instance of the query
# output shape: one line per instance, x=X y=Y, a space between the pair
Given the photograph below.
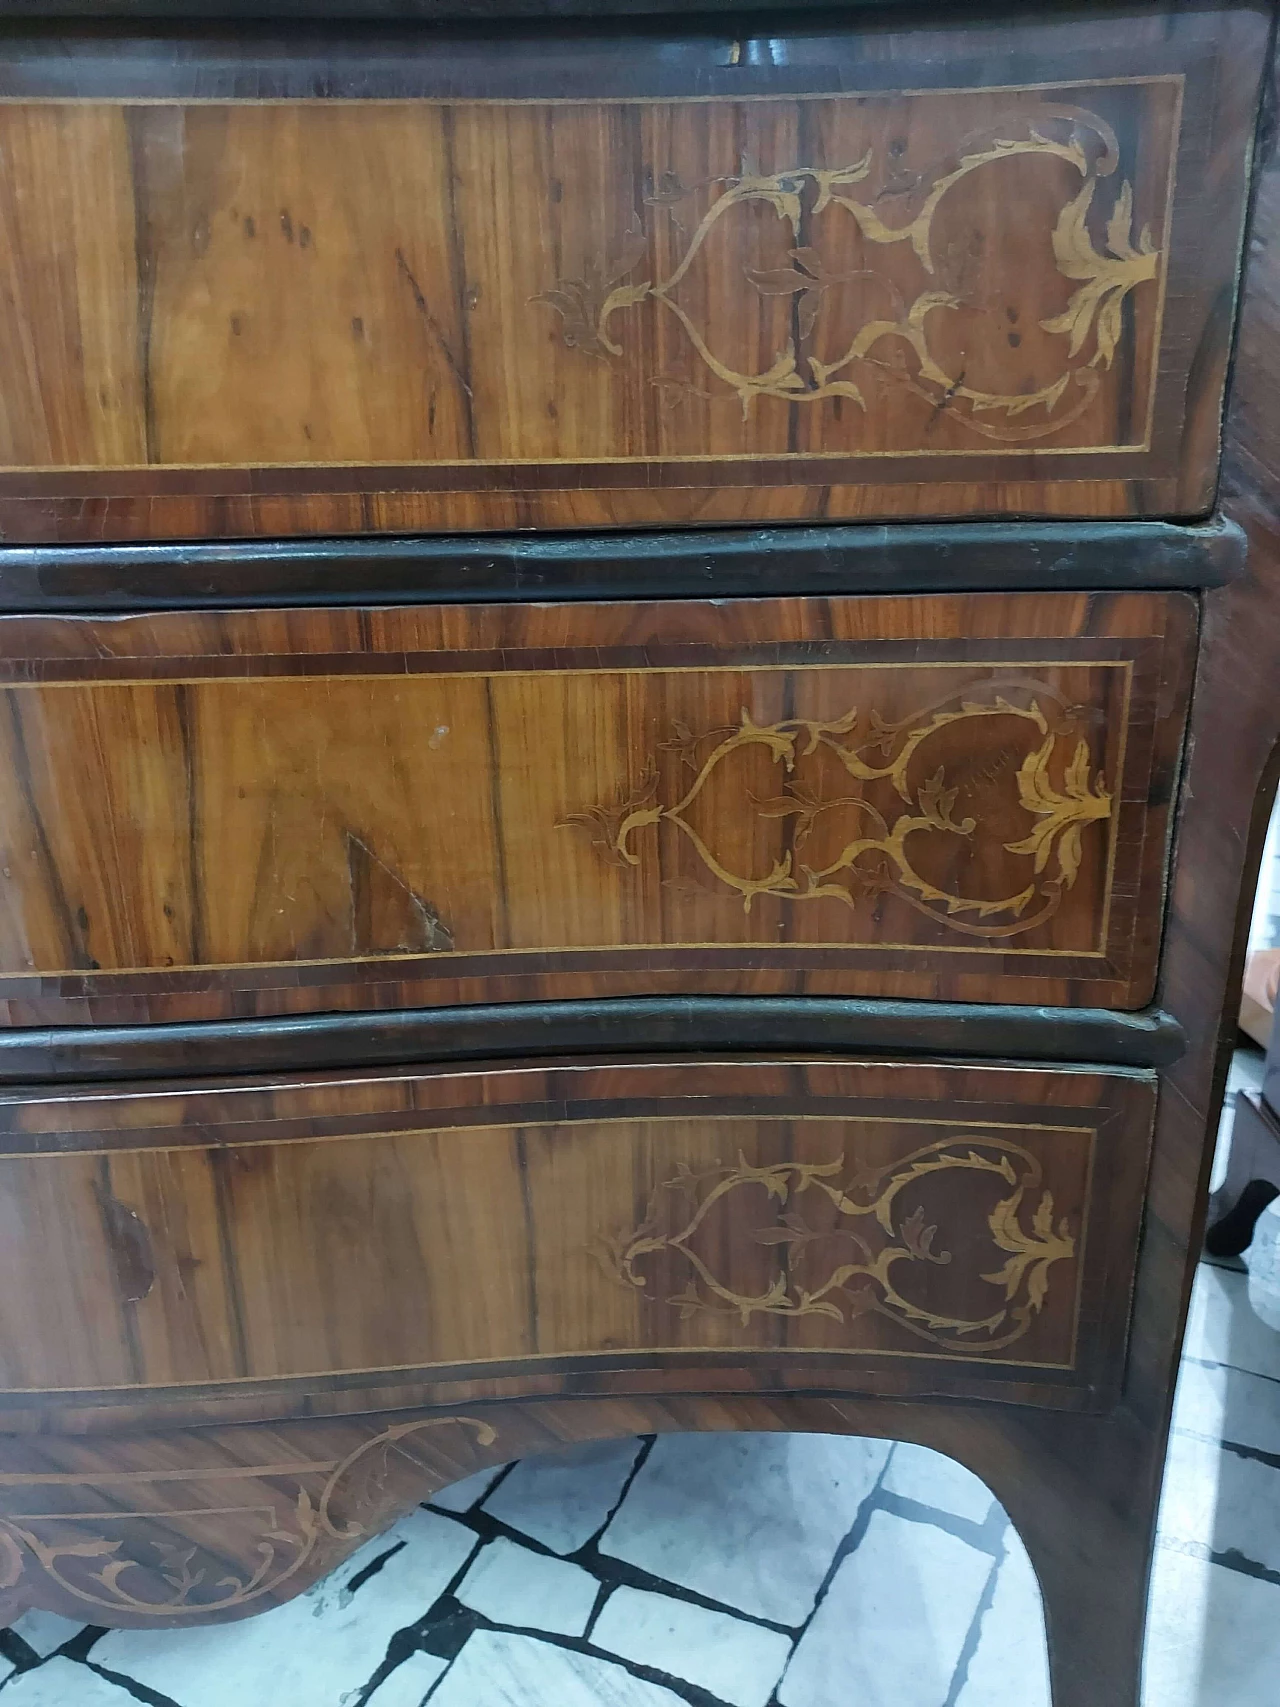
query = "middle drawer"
x=262 y=812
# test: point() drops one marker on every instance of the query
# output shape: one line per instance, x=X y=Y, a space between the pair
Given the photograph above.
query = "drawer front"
x=849 y=275
x=267 y=812
x=840 y=1221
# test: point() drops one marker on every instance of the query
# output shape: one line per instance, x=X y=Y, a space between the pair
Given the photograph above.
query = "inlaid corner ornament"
x=1060 y=792
x=1097 y=252
x=293 y=1510
x=848 y=1244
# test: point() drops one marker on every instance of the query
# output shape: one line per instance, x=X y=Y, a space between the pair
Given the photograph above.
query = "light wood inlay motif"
x=1062 y=811
x=850 y=1278
x=810 y=277
x=161 y=1565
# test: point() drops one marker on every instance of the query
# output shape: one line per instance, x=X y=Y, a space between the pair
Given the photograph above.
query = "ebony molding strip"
x=469 y=11
x=915 y=558
x=415 y=1036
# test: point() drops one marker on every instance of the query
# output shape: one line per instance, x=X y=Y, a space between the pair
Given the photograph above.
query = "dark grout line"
x=447 y=1625
x=617 y=1573
x=687 y=1692
x=82 y=1642
x=1254 y=1454
x=1230 y=1559
x=969 y=1647
x=492 y=1489
x=613 y=1572
x=603 y=1591
x=139 y=1691
x=985 y=1537
x=20 y=1655
x=405 y=1641
x=647 y=1444
x=1216 y=1363
x=373 y=1567
x=857 y=1530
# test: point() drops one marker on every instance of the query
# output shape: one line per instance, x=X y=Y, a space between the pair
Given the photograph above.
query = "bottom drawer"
x=880 y=1226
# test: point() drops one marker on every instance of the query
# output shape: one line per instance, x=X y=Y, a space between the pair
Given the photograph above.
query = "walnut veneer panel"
x=261 y=812
x=618 y=283
x=470 y=1220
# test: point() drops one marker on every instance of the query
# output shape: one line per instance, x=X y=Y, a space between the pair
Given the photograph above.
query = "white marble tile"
x=1211 y=1636
x=1245 y=1073
x=408 y=1684
x=1010 y=1665
x=932 y=1479
x=45 y=1632
x=1228 y=1404
x=510 y=1584
x=1248 y=1065
x=562 y=1498
x=1218 y=1500
x=63 y=1683
x=737 y=1662
x=311 y=1652
x=461 y=1496
x=1263 y=1259
x=751 y=1520
x=496 y=1669
x=1224 y=1325
x=893 y=1622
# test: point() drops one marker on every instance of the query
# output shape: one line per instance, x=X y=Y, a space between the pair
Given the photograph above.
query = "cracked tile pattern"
x=745 y=1571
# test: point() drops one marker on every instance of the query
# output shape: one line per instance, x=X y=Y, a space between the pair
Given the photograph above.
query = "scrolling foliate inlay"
x=84 y=1560
x=848 y=1245
x=1057 y=789
x=1096 y=250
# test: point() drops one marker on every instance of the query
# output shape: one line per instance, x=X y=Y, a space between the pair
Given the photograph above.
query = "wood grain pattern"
x=217 y=814
x=591 y=302
x=477 y=1222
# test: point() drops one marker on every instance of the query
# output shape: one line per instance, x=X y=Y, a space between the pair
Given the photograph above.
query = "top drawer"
x=582 y=281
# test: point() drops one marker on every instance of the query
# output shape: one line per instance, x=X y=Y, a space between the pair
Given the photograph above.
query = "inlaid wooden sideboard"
x=629 y=736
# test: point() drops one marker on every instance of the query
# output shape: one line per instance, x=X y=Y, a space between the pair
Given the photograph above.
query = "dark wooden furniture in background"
x=769 y=978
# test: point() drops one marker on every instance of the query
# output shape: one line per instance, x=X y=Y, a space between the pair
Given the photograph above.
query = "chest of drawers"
x=627 y=749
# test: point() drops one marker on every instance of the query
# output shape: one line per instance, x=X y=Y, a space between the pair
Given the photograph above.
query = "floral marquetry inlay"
x=843 y=846
x=292 y=1517
x=848 y=1240
x=854 y=331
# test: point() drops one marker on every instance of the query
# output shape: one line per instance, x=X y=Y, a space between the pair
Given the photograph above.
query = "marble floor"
x=746 y=1571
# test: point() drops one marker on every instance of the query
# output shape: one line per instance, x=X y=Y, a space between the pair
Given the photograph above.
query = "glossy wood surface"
x=219 y=814
x=617 y=282
x=484 y=1221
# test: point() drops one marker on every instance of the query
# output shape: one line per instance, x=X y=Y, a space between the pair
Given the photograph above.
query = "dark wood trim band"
x=547 y=12
x=72 y=1054
x=915 y=558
